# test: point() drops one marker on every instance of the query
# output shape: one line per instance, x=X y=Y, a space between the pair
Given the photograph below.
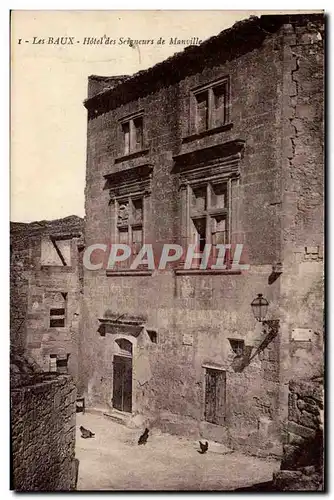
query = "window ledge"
x=206 y=271
x=131 y=156
x=206 y=133
x=214 y=366
x=129 y=272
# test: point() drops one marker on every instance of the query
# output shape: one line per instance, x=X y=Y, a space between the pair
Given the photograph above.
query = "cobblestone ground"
x=112 y=460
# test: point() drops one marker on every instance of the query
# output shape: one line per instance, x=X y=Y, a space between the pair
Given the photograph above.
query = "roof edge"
x=232 y=42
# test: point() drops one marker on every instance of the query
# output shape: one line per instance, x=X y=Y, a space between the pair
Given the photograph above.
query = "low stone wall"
x=302 y=463
x=43 y=433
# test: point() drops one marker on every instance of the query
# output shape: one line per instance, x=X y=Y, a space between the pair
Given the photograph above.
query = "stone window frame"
x=214 y=164
x=188 y=216
x=209 y=213
x=130 y=185
x=209 y=91
x=129 y=121
x=131 y=224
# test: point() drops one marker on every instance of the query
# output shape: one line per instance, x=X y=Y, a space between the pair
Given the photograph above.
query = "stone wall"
x=207 y=309
x=43 y=433
x=32 y=282
x=302 y=282
x=303 y=460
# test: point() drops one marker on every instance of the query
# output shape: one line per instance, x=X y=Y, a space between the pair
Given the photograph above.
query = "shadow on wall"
x=241 y=361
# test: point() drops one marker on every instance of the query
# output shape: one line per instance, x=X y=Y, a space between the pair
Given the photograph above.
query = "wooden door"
x=122 y=383
x=215 y=396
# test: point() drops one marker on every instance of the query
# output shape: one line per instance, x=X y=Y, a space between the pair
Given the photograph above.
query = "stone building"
x=221 y=143
x=46 y=288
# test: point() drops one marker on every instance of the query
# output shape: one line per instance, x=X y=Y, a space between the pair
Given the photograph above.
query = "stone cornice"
x=130 y=180
x=215 y=163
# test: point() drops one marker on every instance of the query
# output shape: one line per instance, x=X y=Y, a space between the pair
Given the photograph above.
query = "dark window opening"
x=62 y=363
x=153 y=336
x=238 y=346
x=58 y=312
x=57 y=323
x=59 y=363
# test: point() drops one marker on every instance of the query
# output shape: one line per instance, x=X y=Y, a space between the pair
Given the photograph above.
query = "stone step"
x=118 y=417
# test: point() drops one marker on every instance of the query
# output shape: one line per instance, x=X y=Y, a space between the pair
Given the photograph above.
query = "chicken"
x=143 y=437
x=204 y=447
x=86 y=433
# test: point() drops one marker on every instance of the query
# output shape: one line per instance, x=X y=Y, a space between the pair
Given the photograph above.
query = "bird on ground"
x=204 y=447
x=86 y=433
x=143 y=437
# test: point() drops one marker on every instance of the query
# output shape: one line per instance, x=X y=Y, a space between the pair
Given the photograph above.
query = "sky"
x=49 y=85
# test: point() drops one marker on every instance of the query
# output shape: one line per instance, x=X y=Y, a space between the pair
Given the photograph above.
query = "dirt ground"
x=112 y=460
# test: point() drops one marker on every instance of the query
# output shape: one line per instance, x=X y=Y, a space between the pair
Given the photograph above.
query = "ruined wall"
x=206 y=308
x=20 y=262
x=32 y=282
x=43 y=434
x=302 y=467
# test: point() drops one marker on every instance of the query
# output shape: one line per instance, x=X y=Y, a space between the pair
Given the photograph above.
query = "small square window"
x=238 y=346
x=153 y=336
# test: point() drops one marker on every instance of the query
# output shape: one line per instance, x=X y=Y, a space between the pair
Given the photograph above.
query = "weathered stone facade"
x=177 y=327
x=302 y=466
x=43 y=433
x=46 y=289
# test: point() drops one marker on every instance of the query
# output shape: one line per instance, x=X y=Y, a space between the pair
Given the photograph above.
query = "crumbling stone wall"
x=43 y=433
x=32 y=281
x=302 y=463
x=19 y=286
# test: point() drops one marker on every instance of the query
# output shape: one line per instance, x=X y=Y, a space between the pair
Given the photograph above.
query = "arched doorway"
x=122 y=376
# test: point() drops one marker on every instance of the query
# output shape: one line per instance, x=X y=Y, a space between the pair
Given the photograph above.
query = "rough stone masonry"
x=43 y=433
x=240 y=114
